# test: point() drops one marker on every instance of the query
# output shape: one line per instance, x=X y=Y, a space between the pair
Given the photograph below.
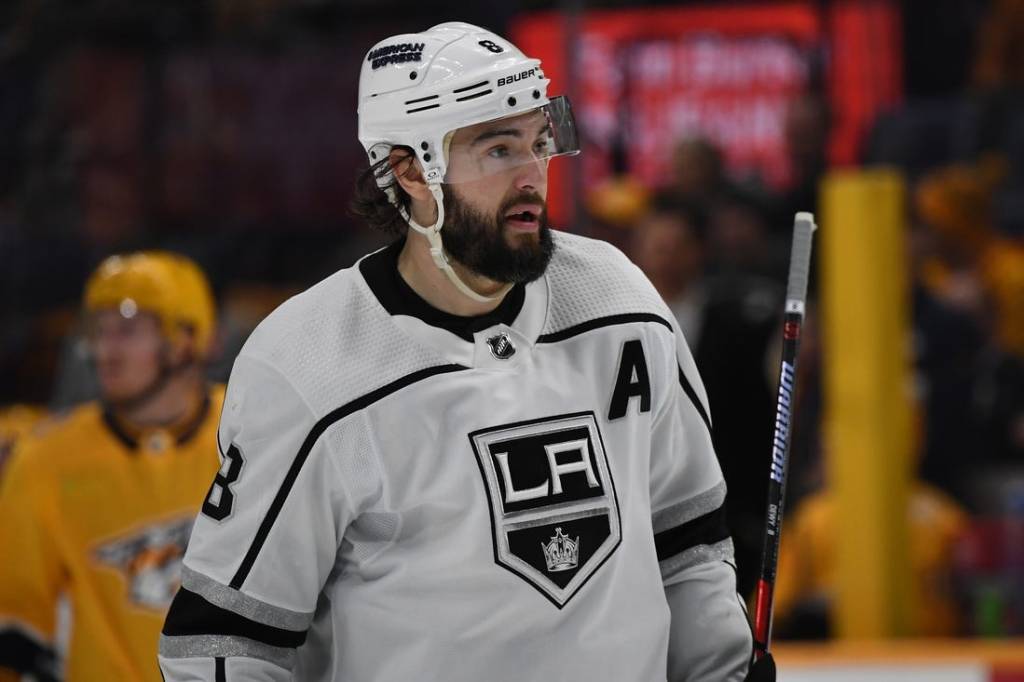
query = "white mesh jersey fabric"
x=427 y=584
x=336 y=330
x=359 y=467
x=590 y=279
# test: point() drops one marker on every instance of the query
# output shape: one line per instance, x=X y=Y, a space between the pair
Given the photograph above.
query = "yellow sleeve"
x=801 y=542
x=30 y=575
x=788 y=576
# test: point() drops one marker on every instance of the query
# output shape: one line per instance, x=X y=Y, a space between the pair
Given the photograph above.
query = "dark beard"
x=479 y=243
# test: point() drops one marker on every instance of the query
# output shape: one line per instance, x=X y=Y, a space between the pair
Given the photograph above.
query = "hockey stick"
x=796 y=296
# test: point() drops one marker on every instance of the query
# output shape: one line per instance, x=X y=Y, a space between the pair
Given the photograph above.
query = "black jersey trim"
x=307 y=445
x=219 y=672
x=26 y=655
x=380 y=270
x=187 y=433
x=190 y=614
x=597 y=323
x=703 y=530
x=119 y=433
x=692 y=395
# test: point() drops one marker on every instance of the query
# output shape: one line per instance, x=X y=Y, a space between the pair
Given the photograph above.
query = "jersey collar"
x=521 y=313
x=182 y=432
x=380 y=269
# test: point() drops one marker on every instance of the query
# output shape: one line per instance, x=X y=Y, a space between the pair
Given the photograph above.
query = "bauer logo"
x=554 y=513
x=399 y=53
x=509 y=80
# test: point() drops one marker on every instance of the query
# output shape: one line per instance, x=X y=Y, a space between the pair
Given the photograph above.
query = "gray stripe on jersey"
x=701 y=554
x=244 y=605
x=688 y=510
x=224 y=646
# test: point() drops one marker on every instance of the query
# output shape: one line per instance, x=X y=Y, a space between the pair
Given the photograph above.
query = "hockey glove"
x=762 y=670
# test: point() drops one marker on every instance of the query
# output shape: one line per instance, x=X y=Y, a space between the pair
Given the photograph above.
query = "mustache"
x=523 y=198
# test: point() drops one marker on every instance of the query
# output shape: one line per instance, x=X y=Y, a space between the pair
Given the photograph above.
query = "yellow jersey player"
x=99 y=505
x=16 y=422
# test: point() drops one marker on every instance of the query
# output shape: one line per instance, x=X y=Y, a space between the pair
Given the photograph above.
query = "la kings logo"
x=554 y=512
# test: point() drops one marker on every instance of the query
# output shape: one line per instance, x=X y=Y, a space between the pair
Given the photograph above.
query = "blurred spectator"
x=949 y=339
x=99 y=504
x=698 y=174
x=728 y=320
x=805 y=586
x=806 y=579
x=735 y=218
x=806 y=134
x=739 y=238
x=1000 y=57
x=669 y=245
x=614 y=206
x=957 y=202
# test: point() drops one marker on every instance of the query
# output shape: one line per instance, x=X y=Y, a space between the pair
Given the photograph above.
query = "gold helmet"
x=168 y=285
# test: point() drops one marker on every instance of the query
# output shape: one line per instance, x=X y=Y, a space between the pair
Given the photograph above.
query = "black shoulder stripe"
x=25 y=655
x=692 y=395
x=110 y=421
x=703 y=530
x=300 y=458
x=220 y=674
x=599 y=322
x=190 y=614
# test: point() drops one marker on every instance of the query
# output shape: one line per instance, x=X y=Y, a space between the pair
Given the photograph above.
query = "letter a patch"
x=632 y=381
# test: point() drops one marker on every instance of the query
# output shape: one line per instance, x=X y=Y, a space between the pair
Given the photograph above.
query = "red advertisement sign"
x=643 y=79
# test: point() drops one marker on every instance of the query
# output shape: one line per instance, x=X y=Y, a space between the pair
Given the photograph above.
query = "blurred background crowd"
x=226 y=131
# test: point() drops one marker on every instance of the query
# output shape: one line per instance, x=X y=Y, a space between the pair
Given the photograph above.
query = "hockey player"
x=98 y=505
x=482 y=453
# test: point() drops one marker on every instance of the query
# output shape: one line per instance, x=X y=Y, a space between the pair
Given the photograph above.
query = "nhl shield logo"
x=501 y=346
x=554 y=512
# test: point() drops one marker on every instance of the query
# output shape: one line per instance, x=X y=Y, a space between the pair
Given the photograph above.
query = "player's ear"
x=409 y=173
x=182 y=347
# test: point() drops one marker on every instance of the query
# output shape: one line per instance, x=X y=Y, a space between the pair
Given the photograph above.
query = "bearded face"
x=512 y=244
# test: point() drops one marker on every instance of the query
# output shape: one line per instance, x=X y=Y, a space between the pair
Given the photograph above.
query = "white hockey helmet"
x=417 y=88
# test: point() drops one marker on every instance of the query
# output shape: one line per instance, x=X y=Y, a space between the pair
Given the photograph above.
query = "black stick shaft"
x=796 y=297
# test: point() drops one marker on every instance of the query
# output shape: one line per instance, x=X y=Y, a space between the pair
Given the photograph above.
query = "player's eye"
x=498 y=152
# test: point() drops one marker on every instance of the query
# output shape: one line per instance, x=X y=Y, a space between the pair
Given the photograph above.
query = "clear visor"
x=513 y=144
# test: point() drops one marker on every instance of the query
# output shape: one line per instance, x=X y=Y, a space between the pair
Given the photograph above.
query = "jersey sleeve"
x=687 y=487
x=30 y=576
x=266 y=539
x=710 y=638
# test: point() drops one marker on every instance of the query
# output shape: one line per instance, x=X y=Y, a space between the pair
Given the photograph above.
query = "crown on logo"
x=562 y=553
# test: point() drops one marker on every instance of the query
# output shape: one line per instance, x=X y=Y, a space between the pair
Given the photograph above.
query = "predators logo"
x=150 y=560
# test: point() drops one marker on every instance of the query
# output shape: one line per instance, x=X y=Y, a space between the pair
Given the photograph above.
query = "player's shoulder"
x=62 y=437
x=313 y=320
x=216 y=392
x=66 y=425
x=333 y=343
x=592 y=279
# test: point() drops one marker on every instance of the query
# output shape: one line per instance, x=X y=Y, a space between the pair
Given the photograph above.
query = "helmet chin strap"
x=433 y=235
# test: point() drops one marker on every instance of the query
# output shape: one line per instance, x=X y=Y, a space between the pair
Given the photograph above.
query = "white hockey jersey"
x=411 y=495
